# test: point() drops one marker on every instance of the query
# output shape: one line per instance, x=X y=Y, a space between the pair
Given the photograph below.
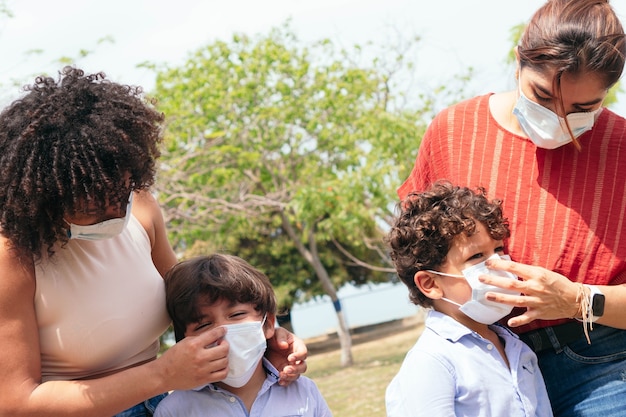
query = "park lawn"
x=359 y=391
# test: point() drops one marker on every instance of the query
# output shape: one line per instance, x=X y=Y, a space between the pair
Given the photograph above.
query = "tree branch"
x=361 y=263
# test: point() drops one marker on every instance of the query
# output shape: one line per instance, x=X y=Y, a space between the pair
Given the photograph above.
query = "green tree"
x=295 y=149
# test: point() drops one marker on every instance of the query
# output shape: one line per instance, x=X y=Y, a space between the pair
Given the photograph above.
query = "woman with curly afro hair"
x=464 y=363
x=82 y=255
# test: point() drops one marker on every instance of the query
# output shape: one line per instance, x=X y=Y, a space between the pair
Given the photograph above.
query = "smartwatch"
x=596 y=303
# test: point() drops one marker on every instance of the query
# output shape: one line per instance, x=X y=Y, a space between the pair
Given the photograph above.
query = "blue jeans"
x=588 y=380
x=144 y=409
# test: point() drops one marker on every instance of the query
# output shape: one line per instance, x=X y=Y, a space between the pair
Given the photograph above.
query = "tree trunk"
x=312 y=256
x=343 y=332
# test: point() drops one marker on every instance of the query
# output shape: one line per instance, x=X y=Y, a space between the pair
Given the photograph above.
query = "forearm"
x=96 y=397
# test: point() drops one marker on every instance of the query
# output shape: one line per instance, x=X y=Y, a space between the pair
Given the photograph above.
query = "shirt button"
x=489 y=346
x=232 y=399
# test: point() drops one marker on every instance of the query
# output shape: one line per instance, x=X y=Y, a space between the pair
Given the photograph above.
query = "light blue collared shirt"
x=453 y=371
x=300 y=398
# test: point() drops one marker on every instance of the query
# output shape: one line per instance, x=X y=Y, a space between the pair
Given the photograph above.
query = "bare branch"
x=359 y=262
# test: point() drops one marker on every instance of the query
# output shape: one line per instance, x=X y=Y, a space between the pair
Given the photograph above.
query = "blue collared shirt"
x=453 y=371
x=300 y=398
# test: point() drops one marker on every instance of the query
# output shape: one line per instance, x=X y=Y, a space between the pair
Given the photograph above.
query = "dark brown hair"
x=77 y=141
x=428 y=222
x=208 y=279
x=574 y=37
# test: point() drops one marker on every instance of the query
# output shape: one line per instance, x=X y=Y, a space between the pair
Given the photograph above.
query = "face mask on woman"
x=545 y=128
x=478 y=308
x=103 y=230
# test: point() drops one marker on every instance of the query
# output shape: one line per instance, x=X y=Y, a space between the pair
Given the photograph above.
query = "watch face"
x=597 y=305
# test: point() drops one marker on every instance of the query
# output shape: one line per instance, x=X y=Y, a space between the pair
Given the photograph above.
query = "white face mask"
x=247 y=346
x=545 y=128
x=478 y=308
x=103 y=230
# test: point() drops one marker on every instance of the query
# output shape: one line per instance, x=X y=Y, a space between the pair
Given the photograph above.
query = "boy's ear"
x=428 y=285
x=269 y=326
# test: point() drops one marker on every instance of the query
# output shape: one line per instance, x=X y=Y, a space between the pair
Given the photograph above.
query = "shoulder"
x=147 y=211
x=459 y=119
x=430 y=354
x=440 y=346
x=478 y=103
x=611 y=120
x=184 y=402
x=300 y=394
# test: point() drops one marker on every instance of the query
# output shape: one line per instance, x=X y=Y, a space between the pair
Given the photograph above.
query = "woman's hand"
x=288 y=354
x=196 y=360
x=545 y=294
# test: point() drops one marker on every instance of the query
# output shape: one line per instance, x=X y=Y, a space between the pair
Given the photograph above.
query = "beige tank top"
x=100 y=305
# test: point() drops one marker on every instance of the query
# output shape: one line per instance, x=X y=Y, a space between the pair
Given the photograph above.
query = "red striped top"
x=565 y=206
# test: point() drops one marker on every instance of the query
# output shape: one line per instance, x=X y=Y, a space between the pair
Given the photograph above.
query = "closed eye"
x=240 y=315
x=201 y=326
x=579 y=109
x=475 y=256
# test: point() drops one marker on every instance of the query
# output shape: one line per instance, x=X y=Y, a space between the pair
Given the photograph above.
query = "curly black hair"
x=67 y=144
x=428 y=222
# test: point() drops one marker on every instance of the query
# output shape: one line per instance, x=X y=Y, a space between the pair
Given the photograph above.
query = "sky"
x=455 y=34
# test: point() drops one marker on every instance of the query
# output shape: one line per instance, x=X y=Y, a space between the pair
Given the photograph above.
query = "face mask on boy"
x=247 y=346
x=545 y=128
x=478 y=308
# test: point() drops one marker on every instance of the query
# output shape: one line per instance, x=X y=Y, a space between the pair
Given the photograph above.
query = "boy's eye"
x=201 y=326
x=476 y=256
x=499 y=250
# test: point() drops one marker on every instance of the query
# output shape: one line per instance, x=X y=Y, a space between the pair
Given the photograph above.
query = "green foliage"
x=275 y=149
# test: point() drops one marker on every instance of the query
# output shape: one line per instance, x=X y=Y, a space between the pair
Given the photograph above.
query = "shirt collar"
x=450 y=329
x=272 y=376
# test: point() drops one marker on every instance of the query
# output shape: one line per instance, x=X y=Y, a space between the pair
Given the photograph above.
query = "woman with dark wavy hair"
x=84 y=249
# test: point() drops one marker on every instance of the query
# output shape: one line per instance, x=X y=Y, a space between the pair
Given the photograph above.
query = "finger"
x=502 y=282
x=291 y=373
x=218 y=364
x=281 y=339
x=509 y=299
x=219 y=351
x=296 y=368
x=520 y=320
x=211 y=337
x=300 y=351
x=523 y=271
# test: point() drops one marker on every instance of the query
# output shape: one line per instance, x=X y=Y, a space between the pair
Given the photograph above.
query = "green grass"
x=359 y=390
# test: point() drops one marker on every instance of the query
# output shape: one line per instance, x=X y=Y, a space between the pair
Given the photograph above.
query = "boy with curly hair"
x=464 y=363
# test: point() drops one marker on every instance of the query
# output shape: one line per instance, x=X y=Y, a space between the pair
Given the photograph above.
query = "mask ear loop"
x=447 y=275
x=444 y=274
x=450 y=301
